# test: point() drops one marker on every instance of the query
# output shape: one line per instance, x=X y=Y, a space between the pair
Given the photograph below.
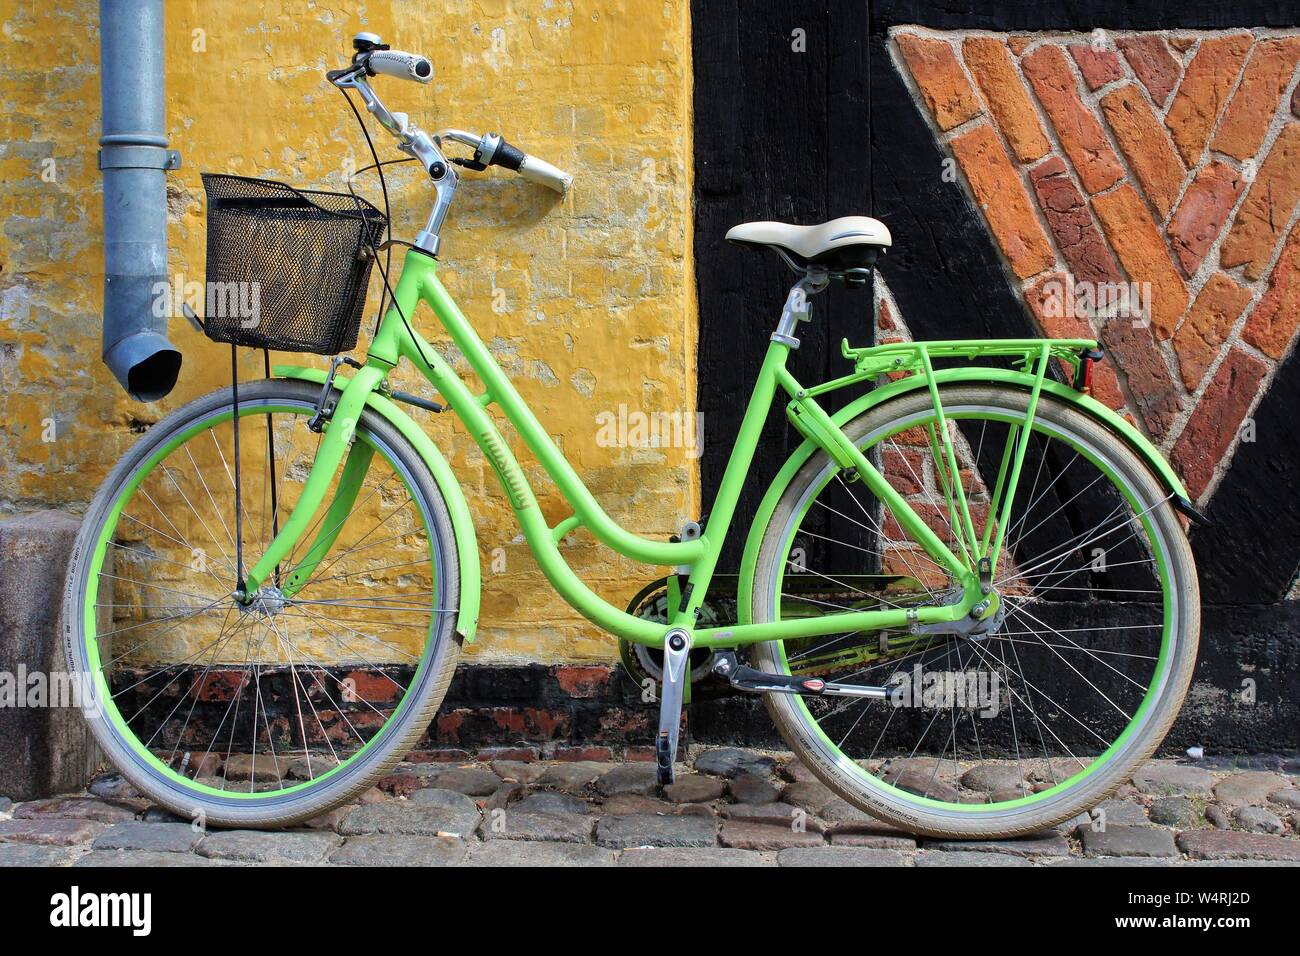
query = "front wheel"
x=1080 y=673
x=267 y=712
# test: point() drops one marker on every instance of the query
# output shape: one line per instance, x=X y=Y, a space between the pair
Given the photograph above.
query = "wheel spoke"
x=1072 y=650
x=281 y=688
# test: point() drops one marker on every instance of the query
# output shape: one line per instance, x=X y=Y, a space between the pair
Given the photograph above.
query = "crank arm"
x=676 y=672
x=755 y=681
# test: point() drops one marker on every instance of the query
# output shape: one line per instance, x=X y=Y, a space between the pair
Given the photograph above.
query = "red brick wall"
x=909 y=463
x=1169 y=160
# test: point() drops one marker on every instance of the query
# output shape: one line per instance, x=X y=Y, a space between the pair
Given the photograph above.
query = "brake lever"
x=459 y=136
x=346 y=73
x=465 y=139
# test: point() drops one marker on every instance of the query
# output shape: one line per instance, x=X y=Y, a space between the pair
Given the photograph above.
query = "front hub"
x=268 y=601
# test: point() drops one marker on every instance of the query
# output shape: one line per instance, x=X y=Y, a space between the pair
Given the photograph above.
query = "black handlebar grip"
x=511 y=157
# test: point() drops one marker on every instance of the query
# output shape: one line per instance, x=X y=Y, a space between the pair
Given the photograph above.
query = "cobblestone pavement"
x=731 y=807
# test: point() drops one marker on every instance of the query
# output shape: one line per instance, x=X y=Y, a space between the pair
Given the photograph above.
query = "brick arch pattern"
x=1170 y=159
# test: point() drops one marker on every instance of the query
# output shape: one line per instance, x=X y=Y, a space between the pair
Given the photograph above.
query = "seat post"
x=797 y=307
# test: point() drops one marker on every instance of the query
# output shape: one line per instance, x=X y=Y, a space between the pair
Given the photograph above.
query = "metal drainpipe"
x=134 y=158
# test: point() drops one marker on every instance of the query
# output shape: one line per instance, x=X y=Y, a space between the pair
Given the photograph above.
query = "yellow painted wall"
x=595 y=304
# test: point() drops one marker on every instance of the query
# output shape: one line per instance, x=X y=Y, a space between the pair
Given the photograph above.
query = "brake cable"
x=388 y=252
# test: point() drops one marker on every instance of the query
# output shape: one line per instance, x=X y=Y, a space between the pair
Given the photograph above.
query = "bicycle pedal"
x=664 y=757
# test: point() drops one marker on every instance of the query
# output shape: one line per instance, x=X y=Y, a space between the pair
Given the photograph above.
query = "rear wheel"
x=269 y=713
x=1074 y=685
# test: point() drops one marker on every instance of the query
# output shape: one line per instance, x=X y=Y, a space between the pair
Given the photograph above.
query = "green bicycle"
x=967 y=566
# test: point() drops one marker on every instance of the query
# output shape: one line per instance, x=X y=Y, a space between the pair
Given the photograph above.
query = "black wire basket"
x=287 y=268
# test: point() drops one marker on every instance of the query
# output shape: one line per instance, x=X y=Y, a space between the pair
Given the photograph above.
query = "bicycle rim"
x=290 y=695
x=1078 y=624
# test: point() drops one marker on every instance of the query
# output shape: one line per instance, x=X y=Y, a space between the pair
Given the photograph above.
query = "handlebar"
x=404 y=66
x=373 y=58
x=492 y=150
x=544 y=174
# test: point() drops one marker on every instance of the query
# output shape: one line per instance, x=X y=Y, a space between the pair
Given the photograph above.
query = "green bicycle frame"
x=396 y=340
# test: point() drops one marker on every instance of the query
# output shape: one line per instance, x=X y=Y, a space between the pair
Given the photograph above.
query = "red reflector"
x=814 y=684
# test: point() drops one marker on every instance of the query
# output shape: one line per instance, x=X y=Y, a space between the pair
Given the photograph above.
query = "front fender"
x=462 y=522
x=977 y=374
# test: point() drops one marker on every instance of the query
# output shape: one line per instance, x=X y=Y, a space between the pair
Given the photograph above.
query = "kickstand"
x=676 y=671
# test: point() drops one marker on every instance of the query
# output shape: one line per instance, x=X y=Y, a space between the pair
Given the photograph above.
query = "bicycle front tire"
x=171 y=490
